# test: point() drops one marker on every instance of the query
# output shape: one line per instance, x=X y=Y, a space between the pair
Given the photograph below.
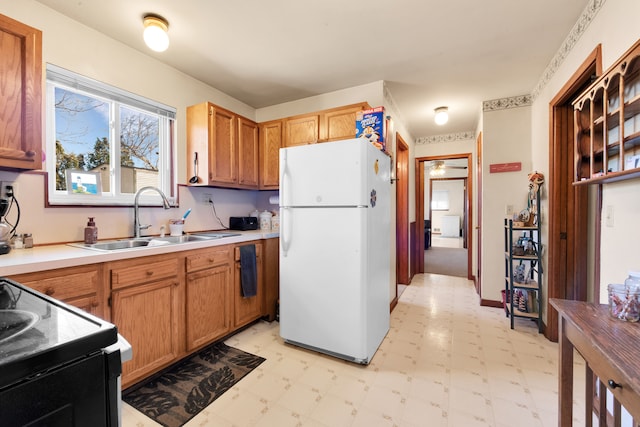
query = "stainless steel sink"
x=114 y=245
x=181 y=239
x=15 y=322
x=143 y=242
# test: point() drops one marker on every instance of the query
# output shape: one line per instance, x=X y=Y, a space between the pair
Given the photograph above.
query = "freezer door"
x=323 y=279
x=329 y=174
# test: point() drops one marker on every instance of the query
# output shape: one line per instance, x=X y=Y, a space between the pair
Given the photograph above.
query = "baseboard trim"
x=490 y=303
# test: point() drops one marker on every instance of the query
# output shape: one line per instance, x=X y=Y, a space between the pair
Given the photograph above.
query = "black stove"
x=45 y=344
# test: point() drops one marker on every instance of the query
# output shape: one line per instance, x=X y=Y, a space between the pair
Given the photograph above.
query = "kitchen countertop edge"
x=41 y=258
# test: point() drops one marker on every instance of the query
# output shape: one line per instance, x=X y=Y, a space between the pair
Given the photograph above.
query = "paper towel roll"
x=274 y=200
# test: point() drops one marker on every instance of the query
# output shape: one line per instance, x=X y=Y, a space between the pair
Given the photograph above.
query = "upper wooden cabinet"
x=20 y=95
x=248 y=153
x=227 y=147
x=607 y=124
x=270 y=143
x=340 y=123
x=322 y=126
x=301 y=130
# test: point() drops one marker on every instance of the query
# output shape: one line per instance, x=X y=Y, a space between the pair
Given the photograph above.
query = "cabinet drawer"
x=63 y=287
x=208 y=258
x=236 y=252
x=143 y=272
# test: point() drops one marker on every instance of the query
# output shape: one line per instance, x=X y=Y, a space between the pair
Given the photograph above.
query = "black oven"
x=55 y=369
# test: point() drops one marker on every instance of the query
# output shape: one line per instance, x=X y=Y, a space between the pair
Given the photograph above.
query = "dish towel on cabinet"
x=248 y=271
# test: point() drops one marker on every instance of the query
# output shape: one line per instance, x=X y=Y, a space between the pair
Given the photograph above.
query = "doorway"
x=424 y=167
x=568 y=204
x=402 y=213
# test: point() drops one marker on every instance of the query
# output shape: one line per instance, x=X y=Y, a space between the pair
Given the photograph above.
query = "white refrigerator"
x=335 y=247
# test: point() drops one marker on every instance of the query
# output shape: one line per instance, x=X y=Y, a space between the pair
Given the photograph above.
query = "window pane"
x=82 y=134
x=139 y=150
x=440 y=200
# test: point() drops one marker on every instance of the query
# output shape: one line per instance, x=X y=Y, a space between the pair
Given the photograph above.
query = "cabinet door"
x=248 y=309
x=302 y=130
x=147 y=316
x=339 y=123
x=222 y=146
x=21 y=95
x=78 y=286
x=208 y=305
x=270 y=143
x=271 y=277
x=248 y=158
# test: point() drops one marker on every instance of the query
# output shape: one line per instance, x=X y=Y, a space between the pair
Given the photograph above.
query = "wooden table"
x=611 y=348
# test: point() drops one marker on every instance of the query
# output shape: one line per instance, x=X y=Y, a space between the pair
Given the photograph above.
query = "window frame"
x=57 y=77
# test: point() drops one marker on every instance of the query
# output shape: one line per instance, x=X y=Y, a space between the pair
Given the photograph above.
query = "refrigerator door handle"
x=284 y=171
x=284 y=242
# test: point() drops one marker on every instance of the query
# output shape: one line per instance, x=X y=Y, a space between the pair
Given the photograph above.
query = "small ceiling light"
x=442 y=115
x=155 y=32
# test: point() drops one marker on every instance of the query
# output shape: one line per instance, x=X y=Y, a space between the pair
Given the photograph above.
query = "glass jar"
x=624 y=301
x=17 y=242
x=265 y=220
x=633 y=279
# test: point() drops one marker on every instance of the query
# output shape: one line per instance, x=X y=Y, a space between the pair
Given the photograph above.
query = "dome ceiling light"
x=442 y=115
x=155 y=32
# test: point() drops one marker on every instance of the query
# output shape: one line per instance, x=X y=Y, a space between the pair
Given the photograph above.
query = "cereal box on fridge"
x=370 y=125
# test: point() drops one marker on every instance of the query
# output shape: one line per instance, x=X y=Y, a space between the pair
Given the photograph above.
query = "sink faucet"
x=136 y=216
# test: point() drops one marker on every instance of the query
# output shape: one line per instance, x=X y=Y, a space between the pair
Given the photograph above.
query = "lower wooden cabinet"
x=271 y=277
x=248 y=309
x=146 y=306
x=77 y=286
x=167 y=306
x=208 y=296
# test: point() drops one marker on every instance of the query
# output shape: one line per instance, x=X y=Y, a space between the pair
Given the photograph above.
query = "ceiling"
x=431 y=53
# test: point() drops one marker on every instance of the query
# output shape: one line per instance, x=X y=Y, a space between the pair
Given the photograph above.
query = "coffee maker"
x=5 y=229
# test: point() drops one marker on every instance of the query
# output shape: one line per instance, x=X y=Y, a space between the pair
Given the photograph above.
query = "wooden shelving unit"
x=528 y=256
x=607 y=124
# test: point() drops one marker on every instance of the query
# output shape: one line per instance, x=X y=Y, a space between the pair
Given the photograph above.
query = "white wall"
x=616 y=27
x=506 y=139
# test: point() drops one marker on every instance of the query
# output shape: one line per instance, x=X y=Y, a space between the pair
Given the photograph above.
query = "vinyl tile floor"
x=446 y=361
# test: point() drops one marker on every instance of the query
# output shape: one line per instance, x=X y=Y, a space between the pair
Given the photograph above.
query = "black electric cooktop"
x=38 y=333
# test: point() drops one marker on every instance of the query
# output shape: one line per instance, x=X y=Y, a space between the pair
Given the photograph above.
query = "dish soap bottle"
x=90 y=232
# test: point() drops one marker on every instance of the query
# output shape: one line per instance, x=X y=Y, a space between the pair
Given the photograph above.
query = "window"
x=440 y=200
x=121 y=141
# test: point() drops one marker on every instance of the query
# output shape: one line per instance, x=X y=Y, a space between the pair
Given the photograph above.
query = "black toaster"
x=243 y=223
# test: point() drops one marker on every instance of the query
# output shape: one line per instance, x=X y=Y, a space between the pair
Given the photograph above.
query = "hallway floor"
x=446 y=361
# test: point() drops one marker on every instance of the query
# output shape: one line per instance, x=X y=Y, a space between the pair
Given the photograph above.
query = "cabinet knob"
x=30 y=153
x=94 y=303
x=149 y=273
x=614 y=384
x=50 y=291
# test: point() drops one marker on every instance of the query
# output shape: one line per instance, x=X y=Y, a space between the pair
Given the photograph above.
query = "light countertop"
x=41 y=258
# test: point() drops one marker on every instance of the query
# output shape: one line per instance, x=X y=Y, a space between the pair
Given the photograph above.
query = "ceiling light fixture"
x=155 y=32
x=437 y=169
x=442 y=115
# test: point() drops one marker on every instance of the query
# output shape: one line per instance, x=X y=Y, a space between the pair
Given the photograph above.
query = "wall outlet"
x=206 y=198
x=3 y=189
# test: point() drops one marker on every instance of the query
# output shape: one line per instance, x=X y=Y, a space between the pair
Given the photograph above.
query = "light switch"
x=609 y=216
x=508 y=210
